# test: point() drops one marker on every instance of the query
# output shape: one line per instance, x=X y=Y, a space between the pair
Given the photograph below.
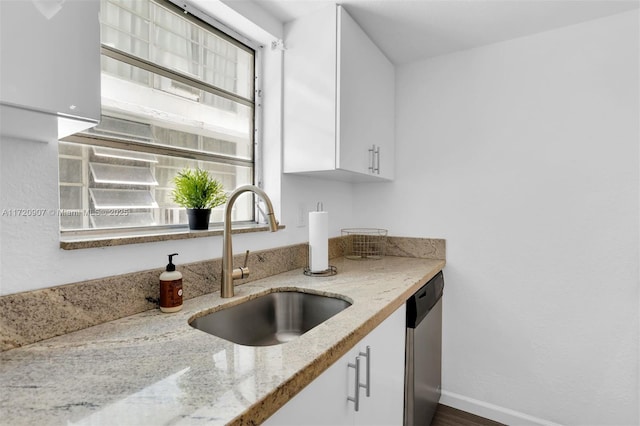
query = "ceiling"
x=410 y=30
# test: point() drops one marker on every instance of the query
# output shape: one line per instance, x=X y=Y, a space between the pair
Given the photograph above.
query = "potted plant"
x=196 y=190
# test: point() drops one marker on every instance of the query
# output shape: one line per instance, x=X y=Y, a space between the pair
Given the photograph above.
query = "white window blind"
x=176 y=93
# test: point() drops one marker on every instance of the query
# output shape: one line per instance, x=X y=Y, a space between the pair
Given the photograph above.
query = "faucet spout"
x=228 y=273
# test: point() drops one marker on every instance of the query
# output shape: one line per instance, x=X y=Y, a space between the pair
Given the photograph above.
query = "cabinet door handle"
x=356 y=397
x=374 y=159
x=367 y=385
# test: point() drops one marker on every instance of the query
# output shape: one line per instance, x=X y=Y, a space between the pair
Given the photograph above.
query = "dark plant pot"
x=198 y=218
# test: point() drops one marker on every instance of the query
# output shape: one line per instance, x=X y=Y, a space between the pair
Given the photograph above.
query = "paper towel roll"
x=318 y=241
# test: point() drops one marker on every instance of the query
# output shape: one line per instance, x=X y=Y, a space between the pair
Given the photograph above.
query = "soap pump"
x=171 y=288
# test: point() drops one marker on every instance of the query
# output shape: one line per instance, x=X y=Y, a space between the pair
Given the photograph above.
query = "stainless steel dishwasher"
x=423 y=356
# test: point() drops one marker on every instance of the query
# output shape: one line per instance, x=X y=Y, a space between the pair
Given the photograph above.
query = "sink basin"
x=271 y=319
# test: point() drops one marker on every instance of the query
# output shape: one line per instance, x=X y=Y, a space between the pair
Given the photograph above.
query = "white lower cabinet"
x=328 y=400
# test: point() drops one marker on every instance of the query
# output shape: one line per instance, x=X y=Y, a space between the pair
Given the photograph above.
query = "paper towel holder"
x=326 y=273
x=331 y=270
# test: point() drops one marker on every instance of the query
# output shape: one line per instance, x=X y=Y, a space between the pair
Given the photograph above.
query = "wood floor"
x=447 y=416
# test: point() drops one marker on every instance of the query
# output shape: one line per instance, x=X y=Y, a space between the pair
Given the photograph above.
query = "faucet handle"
x=243 y=271
x=246 y=259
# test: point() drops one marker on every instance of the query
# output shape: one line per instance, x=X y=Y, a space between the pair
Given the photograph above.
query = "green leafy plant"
x=196 y=189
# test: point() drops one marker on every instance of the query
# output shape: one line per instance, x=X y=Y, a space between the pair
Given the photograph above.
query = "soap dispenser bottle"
x=171 y=288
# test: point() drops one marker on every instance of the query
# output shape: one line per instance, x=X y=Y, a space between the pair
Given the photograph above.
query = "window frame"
x=211 y=24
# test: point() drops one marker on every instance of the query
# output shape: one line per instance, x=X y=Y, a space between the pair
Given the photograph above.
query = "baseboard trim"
x=491 y=411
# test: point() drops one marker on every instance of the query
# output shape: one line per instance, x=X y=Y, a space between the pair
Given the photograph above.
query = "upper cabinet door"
x=50 y=61
x=366 y=104
x=339 y=92
x=310 y=92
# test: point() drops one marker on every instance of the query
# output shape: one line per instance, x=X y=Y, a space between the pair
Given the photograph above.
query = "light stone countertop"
x=154 y=369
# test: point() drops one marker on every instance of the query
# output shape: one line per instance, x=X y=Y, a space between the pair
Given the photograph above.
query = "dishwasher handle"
x=419 y=305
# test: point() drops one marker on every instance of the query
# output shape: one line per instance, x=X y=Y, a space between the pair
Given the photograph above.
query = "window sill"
x=93 y=241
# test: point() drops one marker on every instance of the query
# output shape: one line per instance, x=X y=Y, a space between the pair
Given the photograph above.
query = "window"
x=176 y=93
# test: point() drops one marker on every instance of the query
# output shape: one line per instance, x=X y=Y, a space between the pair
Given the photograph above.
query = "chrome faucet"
x=228 y=272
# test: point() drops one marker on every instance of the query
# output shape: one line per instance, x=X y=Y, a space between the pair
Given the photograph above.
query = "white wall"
x=524 y=156
x=30 y=257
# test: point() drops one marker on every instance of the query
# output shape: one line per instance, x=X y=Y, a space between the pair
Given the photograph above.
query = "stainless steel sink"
x=271 y=319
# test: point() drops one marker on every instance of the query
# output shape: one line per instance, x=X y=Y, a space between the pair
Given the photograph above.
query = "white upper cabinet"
x=339 y=92
x=49 y=67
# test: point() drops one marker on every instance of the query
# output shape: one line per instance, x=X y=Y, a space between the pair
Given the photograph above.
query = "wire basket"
x=364 y=243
